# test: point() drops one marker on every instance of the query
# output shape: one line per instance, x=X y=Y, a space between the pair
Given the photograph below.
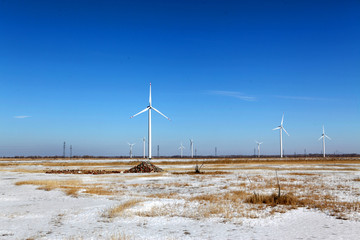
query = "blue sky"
x=223 y=71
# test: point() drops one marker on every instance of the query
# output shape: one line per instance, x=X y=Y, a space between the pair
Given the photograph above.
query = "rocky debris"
x=81 y=171
x=144 y=167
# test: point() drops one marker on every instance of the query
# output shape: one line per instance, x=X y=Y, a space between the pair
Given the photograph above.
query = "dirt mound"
x=81 y=171
x=144 y=167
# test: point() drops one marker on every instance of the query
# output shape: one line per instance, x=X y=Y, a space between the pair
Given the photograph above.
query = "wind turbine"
x=181 y=149
x=281 y=127
x=192 y=147
x=323 y=136
x=144 y=140
x=131 y=147
x=148 y=108
x=258 y=143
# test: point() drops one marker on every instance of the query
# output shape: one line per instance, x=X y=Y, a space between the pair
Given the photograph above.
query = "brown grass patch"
x=97 y=190
x=301 y=174
x=70 y=187
x=357 y=179
x=171 y=195
x=274 y=199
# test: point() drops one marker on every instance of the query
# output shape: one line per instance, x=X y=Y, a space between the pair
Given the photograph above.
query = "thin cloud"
x=304 y=98
x=21 y=117
x=237 y=95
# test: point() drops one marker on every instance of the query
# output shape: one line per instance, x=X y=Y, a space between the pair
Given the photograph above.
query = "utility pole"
x=64 y=150
x=195 y=152
x=215 y=151
x=70 y=151
x=158 y=150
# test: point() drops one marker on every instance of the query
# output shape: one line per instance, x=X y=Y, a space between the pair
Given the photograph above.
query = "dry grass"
x=357 y=179
x=274 y=199
x=171 y=195
x=70 y=187
x=223 y=161
x=98 y=190
x=203 y=172
x=22 y=170
x=119 y=210
x=121 y=236
x=301 y=174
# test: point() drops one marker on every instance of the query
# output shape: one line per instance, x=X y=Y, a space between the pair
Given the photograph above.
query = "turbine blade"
x=282 y=119
x=150 y=96
x=285 y=131
x=140 y=112
x=327 y=137
x=160 y=113
x=277 y=128
x=320 y=138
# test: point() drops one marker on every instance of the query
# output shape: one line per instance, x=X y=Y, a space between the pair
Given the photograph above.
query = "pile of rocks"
x=81 y=171
x=144 y=167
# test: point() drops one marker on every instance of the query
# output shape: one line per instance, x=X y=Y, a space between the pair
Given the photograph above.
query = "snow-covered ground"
x=180 y=206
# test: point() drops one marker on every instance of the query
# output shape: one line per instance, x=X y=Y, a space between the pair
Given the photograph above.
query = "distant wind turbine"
x=148 y=108
x=192 y=147
x=281 y=127
x=181 y=149
x=258 y=143
x=323 y=136
x=131 y=148
x=144 y=140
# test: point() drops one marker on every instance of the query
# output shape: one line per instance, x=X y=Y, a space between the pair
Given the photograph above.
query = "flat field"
x=231 y=199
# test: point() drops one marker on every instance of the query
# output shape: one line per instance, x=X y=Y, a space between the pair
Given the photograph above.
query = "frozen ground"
x=178 y=205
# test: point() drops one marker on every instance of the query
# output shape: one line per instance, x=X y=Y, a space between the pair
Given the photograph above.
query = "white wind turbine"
x=323 y=136
x=281 y=127
x=258 y=143
x=148 y=108
x=192 y=147
x=144 y=140
x=181 y=149
x=131 y=148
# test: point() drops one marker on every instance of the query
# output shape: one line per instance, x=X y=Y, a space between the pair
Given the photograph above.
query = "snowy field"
x=319 y=200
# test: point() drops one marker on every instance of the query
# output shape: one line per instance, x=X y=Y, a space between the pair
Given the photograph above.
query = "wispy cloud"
x=237 y=95
x=304 y=98
x=20 y=117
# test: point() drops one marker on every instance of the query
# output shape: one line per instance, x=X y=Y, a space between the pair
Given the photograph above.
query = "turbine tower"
x=192 y=147
x=258 y=143
x=323 y=136
x=181 y=149
x=144 y=140
x=148 y=108
x=131 y=147
x=281 y=127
